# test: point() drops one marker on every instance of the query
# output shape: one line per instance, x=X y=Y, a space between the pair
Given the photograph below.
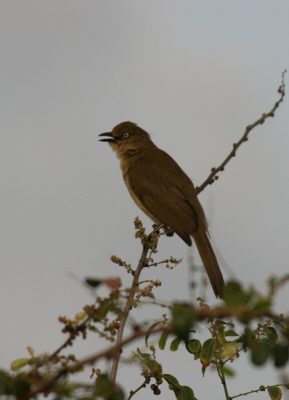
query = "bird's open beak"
x=110 y=138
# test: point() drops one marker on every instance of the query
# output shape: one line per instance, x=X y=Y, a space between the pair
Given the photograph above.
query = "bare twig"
x=213 y=175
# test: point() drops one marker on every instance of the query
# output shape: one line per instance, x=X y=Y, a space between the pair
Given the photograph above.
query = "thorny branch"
x=214 y=171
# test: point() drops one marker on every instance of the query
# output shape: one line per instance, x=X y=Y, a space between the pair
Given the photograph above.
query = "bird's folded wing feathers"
x=165 y=201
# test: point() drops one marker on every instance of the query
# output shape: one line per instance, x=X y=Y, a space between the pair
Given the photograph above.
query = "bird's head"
x=127 y=138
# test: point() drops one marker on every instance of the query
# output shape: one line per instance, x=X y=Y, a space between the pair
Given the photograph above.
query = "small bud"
x=31 y=351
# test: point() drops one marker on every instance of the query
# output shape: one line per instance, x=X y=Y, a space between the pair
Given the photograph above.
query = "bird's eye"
x=126 y=135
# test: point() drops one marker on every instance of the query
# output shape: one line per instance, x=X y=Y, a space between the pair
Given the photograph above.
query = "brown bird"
x=164 y=192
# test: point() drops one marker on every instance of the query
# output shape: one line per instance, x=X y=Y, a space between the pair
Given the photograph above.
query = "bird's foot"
x=168 y=231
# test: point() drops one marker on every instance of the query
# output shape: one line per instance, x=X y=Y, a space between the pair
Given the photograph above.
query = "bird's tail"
x=210 y=261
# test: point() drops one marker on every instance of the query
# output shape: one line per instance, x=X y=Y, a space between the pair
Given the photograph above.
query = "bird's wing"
x=160 y=195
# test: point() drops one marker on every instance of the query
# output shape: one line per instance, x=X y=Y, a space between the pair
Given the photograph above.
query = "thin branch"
x=88 y=361
x=261 y=389
x=67 y=342
x=126 y=310
x=223 y=380
x=72 y=336
x=133 y=392
x=214 y=171
x=133 y=289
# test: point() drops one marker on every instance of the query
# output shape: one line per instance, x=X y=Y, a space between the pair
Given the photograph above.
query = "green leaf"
x=103 y=309
x=171 y=379
x=230 y=332
x=146 y=356
x=271 y=333
x=186 y=393
x=21 y=385
x=183 y=319
x=228 y=371
x=175 y=344
x=193 y=346
x=19 y=363
x=150 y=330
x=203 y=370
x=163 y=340
x=260 y=352
x=230 y=350
x=103 y=386
x=221 y=322
x=66 y=389
x=173 y=384
x=154 y=366
x=105 y=389
x=246 y=338
x=80 y=316
x=280 y=354
x=6 y=384
x=234 y=296
x=221 y=335
x=207 y=352
x=263 y=305
x=274 y=392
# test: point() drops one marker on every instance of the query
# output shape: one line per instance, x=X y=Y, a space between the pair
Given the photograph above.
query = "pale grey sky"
x=193 y=74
